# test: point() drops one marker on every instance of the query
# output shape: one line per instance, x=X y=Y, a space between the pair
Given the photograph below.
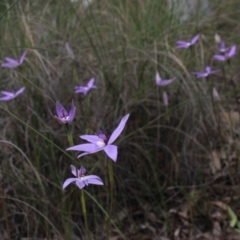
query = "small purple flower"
x=81 y=180
x=85 y=90
x=13 y=63
x=227 y=55
x=100 y=142
x=63 y=116
x=222 y=48
x=206 y=73
x=163 y=82
x=187 y=44
x=11 y=95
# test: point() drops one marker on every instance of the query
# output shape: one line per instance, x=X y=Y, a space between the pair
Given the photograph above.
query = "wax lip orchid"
x=63 y=116
x=11 y=95
x=100 y=142
x=13 y=63
x=86 y=89
x=163 y=82
x=206 y=73
x=80 y=179
x=187 y=44
x=222 y=48
x=227 y=54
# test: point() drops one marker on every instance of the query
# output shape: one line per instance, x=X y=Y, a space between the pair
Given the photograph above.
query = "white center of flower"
x=65 y=119
x=101 y=144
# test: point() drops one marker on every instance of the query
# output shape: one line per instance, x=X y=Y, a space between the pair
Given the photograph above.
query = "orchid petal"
x=20 y=91
x=182 y=46
x=90 y=83
x=182 y=42
x=60 y=109
x=11 y=60
x=74 y=171
x=68 y=181
x=111 y=151
x=219 y=57
x=81 y=171
x=87 y=147
x=194 y=40
x=7 y=93
x=72 y=112
x=6 y=98
x=87 y=153
x=165 y=82
x=158 y=78
x=9 y=65
x=23 y=57
x=93 y=179
x=119 y=129
x=91 y=138
x=232 y=51
x=80 y=183
x=208 y=69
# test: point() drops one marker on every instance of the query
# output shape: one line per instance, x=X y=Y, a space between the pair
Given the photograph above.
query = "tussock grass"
x=164 y=156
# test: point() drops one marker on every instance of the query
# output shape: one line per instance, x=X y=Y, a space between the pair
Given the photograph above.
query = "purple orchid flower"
x=227 y=55
x=162 y=82
x=100 y=142
x=222 y=48
x=206 y=73
x=81 y=180
x=13 y=63
x=85 y=90
x=11 y=95
x=63 y=116
x=187 y=44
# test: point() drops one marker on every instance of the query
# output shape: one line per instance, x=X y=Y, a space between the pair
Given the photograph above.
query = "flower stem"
x=85 y=214
x=69 y=135
x=111 y=181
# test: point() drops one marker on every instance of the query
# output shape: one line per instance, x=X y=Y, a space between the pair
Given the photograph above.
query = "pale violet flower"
x=206 y=72
x=101 y=142
x=63 y=116
x=163 y=82
x=225 y=55
x=13 y=63
x=86 y=89
x=81 y=180
x=11 y=95
x=187 y=44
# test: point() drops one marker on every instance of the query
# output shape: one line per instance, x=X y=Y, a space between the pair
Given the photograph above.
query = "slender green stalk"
x=111 y=181
x=70 y=140
x=69 y=135
x=84 y=209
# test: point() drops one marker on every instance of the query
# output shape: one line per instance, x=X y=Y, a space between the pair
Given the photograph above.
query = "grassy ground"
x=177 y=173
